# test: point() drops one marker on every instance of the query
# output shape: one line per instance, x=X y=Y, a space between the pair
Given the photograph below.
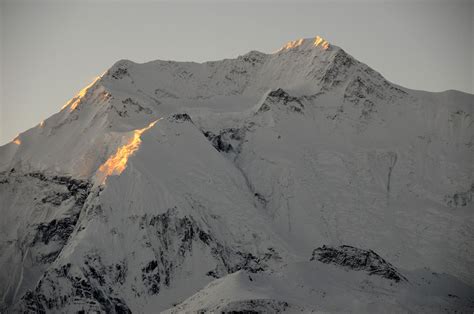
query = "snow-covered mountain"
x=300 y=180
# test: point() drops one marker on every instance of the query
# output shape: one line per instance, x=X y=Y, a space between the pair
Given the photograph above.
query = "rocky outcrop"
x=227 y=141
x=282 y=98
x=172 y=237
x=85 y=288
x=357 y=259
x=180 y=117
x=460 y=199
x=257 y=306
x=67 y=195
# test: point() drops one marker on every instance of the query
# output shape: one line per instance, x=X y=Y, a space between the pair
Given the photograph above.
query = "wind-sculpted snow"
x=207 y=186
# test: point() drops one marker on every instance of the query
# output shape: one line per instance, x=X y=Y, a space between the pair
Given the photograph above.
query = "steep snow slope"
x=160 y=177
x=371 y=181
x=182 y=209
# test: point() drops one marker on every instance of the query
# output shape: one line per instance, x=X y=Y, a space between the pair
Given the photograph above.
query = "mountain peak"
x=306 y=43
x=295 y=178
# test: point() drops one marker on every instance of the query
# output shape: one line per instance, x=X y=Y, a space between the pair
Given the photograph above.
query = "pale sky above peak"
x=49 y=50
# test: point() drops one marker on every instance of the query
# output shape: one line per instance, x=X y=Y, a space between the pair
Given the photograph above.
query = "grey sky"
x=50 y=50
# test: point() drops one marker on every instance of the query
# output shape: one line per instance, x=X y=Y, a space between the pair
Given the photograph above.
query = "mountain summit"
x=305 y=43
x=295 y=181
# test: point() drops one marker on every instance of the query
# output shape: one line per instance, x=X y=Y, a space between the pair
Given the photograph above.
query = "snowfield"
x=298 y=181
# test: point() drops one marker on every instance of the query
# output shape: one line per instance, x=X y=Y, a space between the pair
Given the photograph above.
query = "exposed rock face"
x=180 y=117
x=81 y=290
x=258 y=306
x=357 y=259
x=227 y=141
x=460 y=199
x=61 y=193
x=58 y=202
x=279 y=97
x=95 y=284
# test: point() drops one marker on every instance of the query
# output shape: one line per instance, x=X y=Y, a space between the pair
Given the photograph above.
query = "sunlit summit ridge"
x=317 y=41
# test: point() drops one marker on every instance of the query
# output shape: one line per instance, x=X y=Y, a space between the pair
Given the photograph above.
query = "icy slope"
x=160 y=177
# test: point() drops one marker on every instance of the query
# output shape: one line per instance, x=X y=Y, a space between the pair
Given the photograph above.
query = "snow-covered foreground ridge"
x=295 y=181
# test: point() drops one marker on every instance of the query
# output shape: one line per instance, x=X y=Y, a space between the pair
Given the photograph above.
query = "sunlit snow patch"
x=118 y=161
x=319 y=41
x=75 y=101
x=293 y=44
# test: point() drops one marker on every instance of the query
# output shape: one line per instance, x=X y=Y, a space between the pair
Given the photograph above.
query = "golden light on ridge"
x=292 y=44
x=74 y=102
x=319 y=41
x=117 y=163
x=17 y=141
